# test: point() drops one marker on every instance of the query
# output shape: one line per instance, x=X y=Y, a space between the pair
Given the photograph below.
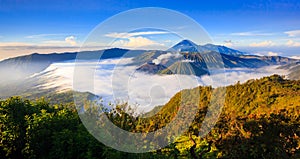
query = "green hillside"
x=260 y=119
x=253 y=98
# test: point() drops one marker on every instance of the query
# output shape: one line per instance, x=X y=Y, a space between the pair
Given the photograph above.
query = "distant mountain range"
x=191 y=47
x=21 y=67
x=186 y=57
x=197 y=59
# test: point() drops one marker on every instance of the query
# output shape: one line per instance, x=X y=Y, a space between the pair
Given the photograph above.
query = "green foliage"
x=13 y=126
x=260 y=119
x=39 y=130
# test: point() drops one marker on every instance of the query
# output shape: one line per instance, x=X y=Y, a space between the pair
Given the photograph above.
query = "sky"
x=262 y=27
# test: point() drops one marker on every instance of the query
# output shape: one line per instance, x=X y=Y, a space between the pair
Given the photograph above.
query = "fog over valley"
x=117 y=81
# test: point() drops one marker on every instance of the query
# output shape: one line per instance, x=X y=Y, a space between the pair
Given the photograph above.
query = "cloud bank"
x=117 y=82
x=262 y=44
x=166 y=56
x=71 y=40
x=292 y=43
x=293 y=33
x=132 y=34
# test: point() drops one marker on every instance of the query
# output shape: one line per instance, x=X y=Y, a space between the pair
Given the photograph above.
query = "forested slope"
x=260 y=119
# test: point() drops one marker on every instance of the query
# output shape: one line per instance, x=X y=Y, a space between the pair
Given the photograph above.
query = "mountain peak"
x=186 y=42
x=189 y=46
x=184 y=46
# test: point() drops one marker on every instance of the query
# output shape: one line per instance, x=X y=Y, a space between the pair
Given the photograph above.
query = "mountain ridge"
x=21 y=67
x=18 y=68
x=190 y=47
x=208 y=60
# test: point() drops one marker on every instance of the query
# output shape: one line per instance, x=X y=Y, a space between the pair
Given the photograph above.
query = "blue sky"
x=265 y=27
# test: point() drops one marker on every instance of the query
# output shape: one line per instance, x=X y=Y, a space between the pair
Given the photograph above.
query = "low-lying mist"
x=116 y=81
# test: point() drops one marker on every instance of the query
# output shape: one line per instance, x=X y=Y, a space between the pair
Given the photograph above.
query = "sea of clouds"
x=117 y=82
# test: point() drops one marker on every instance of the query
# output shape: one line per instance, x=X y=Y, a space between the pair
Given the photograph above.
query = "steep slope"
x=260 y=118
x=261 y=96
x=184 y=68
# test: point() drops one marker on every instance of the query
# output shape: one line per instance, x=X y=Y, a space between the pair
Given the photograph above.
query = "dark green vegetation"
x=260 y=119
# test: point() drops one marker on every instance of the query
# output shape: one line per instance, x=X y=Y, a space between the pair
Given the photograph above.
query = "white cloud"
x=240 y=74
x=293 y=33
x=228 y=43
x=115 y=81
x=128 y=35
x=42 y=35
x=267 y=53
x=12 y=44
x=43 y=44
x=138 y=42
x=270 y=53
x=136 y=39
x=71 y=40
x=295 y=57
x=292 y=43
x=14 y=49
x=251 y=33
x=262 y=44
x=166 y=56
x=53 y=43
